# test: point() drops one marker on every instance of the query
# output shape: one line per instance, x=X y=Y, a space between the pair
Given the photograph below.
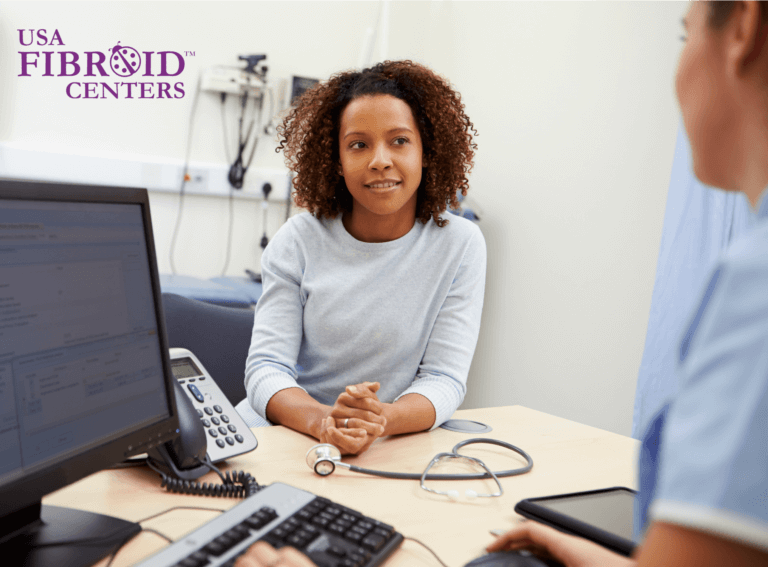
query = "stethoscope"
x=324 y=458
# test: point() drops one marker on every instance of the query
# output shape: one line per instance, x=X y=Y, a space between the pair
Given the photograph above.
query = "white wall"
x=575 y=107
x=577 y=118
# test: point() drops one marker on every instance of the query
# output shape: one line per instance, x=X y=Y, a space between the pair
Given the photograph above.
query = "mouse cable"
x=152 y=530
x=169 y=510
x=113 y=555
x=425 y=546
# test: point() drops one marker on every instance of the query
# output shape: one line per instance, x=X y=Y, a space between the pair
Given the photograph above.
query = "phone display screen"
x=184 y=368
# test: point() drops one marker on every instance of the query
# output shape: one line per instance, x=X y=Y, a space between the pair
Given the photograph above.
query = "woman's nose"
x=380 y=159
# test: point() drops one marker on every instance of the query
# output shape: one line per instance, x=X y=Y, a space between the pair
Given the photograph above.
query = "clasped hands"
x=356 y=419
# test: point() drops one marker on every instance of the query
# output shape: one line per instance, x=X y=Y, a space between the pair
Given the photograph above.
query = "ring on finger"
x=346 y=423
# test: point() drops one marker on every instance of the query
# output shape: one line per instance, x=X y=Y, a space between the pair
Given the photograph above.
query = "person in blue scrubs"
x=703 y=497
x=700 y=222
x=704 y=460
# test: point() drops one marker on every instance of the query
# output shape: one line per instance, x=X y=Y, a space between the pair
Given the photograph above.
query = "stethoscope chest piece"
x=322 y=458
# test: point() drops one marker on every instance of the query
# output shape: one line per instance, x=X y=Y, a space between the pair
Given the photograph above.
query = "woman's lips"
x=383 y=186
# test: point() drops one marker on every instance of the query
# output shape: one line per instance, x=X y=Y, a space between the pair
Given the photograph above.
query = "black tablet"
x=603 y=516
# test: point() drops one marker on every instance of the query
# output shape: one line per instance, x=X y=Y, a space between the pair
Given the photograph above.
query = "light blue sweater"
x=337 y=311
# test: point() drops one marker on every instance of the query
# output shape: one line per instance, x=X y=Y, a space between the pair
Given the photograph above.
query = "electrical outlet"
x=197 y=180
x=279 y=179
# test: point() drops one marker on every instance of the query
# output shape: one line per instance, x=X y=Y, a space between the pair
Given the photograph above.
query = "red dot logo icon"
x=124 y=60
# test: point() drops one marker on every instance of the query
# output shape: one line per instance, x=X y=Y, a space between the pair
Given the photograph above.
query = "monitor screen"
x=84 y=374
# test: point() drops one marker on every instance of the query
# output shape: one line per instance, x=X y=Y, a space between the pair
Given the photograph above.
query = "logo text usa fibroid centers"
x=119 y=72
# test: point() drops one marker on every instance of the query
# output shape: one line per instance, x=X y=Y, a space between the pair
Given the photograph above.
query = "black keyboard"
x=331 y=535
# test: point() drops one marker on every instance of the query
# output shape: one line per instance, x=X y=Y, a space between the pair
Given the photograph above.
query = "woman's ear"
x=746 y=37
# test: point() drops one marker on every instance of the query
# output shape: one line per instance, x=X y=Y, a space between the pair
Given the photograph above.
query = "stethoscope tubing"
x=441 y=476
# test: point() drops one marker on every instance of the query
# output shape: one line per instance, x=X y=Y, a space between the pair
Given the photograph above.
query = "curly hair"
x=309 y=136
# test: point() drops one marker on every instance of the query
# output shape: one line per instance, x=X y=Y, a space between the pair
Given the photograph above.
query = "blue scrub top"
x=704 y=458
x=699 y=224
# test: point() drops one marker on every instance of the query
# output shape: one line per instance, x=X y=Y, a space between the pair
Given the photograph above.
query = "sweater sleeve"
x=277 y=327
x=442 y=374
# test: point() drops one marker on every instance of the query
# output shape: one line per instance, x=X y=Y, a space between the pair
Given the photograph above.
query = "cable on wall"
x=184 y=174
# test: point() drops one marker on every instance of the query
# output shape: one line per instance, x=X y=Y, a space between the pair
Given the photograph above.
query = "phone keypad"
x=215 y=429
x=221 y=431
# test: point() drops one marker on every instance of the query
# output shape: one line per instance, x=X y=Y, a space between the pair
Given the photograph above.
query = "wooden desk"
x=567 y=457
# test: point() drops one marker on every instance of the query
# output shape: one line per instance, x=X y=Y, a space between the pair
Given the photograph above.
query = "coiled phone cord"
x=235 y=484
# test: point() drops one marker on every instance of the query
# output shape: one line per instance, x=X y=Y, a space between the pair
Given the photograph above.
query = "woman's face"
x=709 y=113
x=381 y=155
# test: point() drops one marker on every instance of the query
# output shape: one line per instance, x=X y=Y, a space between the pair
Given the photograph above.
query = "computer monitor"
x=85 y=378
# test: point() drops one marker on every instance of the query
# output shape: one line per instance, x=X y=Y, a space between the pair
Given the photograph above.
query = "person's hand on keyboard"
x=356 y=419
x=261 y=554
x=571 y=551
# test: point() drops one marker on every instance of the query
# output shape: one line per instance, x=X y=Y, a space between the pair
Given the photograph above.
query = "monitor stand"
x=99 y=535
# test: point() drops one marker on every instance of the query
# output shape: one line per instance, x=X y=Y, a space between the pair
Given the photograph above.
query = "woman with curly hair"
x=371 y=300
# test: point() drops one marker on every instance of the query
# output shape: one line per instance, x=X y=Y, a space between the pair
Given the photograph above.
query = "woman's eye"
x=356 y=145
x=401 y=141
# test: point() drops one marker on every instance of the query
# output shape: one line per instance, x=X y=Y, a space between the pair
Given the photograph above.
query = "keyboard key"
x=320 y=521
x=382 y=532
x=224 y=418
x=239 y=438
x=373 y=542
x=197 y=559
x=215 y=548
x=336 y=551
x=220 y=443
x=230 y=441
x=386 y=527
x=212 y=433
x=293 y=523
x=215 y=421
x=208 y=410
x=223 y=430
x=200 y=413
x=232 y=428
x=206 y=423
x=218 y=409
x=365 y=525
x=352 y=535
x=343 y=523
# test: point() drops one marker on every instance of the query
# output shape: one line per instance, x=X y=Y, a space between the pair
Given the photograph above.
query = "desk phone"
x=226 y=433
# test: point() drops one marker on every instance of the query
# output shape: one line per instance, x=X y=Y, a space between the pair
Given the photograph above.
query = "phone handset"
x=184 y=455
x=210 y=431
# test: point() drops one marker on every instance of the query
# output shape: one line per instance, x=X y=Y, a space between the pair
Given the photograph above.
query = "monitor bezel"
x=30 y=489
